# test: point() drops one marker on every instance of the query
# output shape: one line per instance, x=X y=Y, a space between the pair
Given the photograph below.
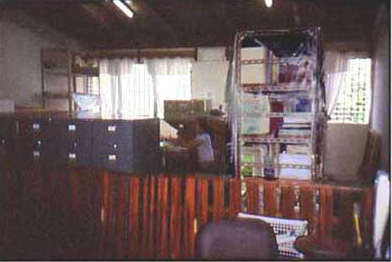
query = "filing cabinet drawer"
x=76 y=157
x=75 y=129
x=112 y=136
x=76 y=139
x=114 y=162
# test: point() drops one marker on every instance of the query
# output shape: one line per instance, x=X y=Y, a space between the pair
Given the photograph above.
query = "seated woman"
x=202 y=144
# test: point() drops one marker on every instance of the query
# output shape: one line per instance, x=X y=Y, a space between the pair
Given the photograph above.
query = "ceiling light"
x=124 y=7
x=268 y=3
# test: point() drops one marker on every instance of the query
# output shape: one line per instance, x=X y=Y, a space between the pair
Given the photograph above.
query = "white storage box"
x=286 y=231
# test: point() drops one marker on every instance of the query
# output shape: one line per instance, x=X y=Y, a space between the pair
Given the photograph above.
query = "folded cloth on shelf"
x=306 y=118
x=295 y=173
x=295 y=159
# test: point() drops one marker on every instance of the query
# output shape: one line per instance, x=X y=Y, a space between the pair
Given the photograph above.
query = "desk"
x=178 y=159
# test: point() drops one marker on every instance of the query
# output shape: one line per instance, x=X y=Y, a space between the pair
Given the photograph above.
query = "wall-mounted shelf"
x=85 y=71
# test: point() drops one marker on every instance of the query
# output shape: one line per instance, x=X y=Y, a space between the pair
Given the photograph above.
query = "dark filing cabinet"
x=146 y=146
x=52 y=141
x=75 y=141
x=7 y=134
x=39 y=138
x=113 y=144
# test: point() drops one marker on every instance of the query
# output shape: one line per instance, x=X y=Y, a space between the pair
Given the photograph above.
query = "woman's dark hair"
x=202 y=123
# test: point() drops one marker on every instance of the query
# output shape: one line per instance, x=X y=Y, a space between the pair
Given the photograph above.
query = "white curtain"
x=172 y=80
x=335 y=65
x=126 y=88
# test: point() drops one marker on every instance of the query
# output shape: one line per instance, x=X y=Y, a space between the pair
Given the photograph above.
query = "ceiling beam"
x=147 y=10
x=93 y=11
x=297 y=20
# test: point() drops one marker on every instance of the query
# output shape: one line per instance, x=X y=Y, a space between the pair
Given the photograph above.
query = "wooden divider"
x=327 y=208
x=158 y=217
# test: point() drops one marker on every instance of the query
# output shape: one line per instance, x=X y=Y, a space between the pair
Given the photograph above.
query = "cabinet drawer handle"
x=72 y=156
x=71 y=127
x=112 y=157
x=36 y=153
x=36 y=126
x=112 y=128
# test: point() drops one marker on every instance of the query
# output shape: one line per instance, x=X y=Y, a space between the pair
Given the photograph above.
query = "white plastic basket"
x=286 y=231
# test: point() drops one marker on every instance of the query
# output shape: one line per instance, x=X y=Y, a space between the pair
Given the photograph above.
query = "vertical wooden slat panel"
x=134 y=216
x=175 y=218
x=152 y=220
x=367 y=207
x=235 y=198
x=218 y=199
x=146 y=218
x=326 y=209
x=345 y=219
x=269 y=199
x=252 y=197
x=307 y=206
x=189 y=216
x=287 y=201
x=105 y=193
x=162 y=223
x=111 y=215
x=203 y=201
x=120 y=218
x=97 y=178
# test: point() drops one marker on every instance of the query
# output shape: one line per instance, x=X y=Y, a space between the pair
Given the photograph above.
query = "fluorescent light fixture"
x=268 y=3
x=124 y=7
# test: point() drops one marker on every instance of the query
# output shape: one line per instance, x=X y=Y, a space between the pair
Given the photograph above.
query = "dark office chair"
x=238 y=239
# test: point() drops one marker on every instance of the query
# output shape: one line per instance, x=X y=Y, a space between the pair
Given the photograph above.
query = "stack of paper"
x=255 y=110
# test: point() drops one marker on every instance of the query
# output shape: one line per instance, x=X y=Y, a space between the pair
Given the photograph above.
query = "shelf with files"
x=297 y=60
x=281 y=87
x=273 y=140
x=261 y=165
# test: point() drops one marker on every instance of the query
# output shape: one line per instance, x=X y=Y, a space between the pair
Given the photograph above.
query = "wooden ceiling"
x=196 y=23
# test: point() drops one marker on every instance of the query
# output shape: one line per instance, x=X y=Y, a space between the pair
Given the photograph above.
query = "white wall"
x=21 y=40
x=209 y=75
x=380 y=118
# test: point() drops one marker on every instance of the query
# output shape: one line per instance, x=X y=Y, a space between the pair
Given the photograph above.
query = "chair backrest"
x=351 y=152
x=237 y=239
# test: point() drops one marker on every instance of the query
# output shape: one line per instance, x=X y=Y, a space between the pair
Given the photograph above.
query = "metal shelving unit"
x=279 y=103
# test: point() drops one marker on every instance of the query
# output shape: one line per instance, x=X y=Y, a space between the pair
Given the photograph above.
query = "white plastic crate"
x=286 y=231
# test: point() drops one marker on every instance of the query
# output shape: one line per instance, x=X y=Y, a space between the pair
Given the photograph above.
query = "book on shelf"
x=296 y=126
x=250 y=155
x=294 y=133
x=297 y=149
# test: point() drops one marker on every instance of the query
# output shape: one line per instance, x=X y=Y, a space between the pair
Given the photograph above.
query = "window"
x=354 y=99
x=127 y=87
x=172 y=87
